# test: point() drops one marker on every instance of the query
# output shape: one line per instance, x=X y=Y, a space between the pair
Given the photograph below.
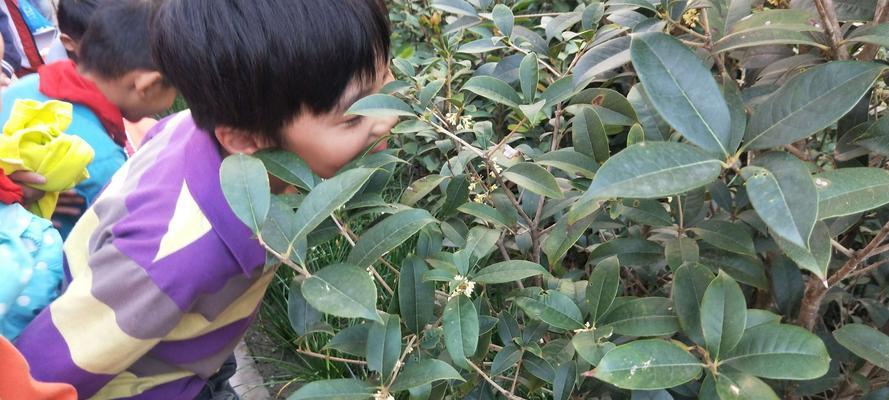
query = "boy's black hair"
x=117 y=39
x=74 y=16
x=254 y=65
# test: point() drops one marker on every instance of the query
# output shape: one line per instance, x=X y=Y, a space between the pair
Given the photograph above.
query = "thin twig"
x=348 y=235
x=515 y=378
x=828 y=14
x=488 y=379
x=869 y=268
x=330 y=358
x=285 y=260
x=842 y=249
x=400 y=362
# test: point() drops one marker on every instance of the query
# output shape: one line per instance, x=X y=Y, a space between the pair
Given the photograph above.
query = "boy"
x=165 y=278
x=115 y=79
x=74 y=17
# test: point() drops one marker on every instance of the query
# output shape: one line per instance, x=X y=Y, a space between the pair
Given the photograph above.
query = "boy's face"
x=327 y=142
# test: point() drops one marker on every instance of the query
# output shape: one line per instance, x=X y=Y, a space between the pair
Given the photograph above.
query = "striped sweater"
x=164 y=279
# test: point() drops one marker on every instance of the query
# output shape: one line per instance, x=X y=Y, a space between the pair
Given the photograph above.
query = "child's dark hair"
x=254 y=65
x=117 y=39
x=74 y=16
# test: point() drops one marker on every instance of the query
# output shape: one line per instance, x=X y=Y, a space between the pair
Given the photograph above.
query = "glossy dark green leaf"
x=303 y=318
x=381 y=105
x=654 y=127
x=783 y=193
x=602 y=288
x=493 y=89
x=245 y=185
x=648 y=365
x=563 y=236
x=420 y=188
x=387 y=235
x=461 y=329
x=483 y=45
x=761 y=317
x=554 y=308
x=335 y=389
x=765 y=37
x=847 y=191
x=288 y=167
x=873 y=34
x=570 y=161
x=342 y=290
x=809 y=102
x=484 y=212
x=506 y=359
x=428 y=93
x=647 y=316
x=733 y=237
x=503 y=19
x=690 y=282
x=816 y=256
x=508 y=271
x=723 y=315
x=564 y=380
x=682 y=90
x=653 y=170
x=680 y=251
x=535 y=178
x=646 y=212
x=744 y=269
x=384 y=345
x=416 y=298
x=589 y=348
x=456 y=194
x=865 y=342
x=529 y=74
x=601 y=58
x=739 y=386
x=326 y=197
x=779 y=352
x=459 y=7
x=352 y=340
x=422 y=372
x=588 y=135
x=634 y=252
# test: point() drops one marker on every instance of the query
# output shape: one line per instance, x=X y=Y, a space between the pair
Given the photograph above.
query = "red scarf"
x=10 y=192
x=60 y=80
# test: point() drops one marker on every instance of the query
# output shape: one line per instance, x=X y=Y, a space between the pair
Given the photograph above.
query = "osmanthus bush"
x=620 y=199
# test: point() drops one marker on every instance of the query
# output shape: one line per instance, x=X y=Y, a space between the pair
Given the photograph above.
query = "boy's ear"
x=70 y=44
x=235 y=141
x=148 y=84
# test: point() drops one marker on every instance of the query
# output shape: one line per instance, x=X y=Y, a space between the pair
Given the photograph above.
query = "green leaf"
x=554 y=308
x=653 y=170
x=245 y=185
x=635 y=135
x=792 y=20
x=647 y=316
x=564 y=381
x=816 y=256
x=563 y=236
x=682 y=90
x=737 y=109
x=384 y=346
x=479 y=243
x=865 y=342
x=334 y=389
x=508 y=271
x=428 y=93
x=601 y=58
x=570 y=161
x=591 y=15
x=589 y=348
x=493 y=89
x=784 y=195
x=506 y=358
x=723 y=315
x=459 y=7
x=534 y=178
x=646 y=212
x=482 y=45
x=326 y=197
x=690 y=282
x=303 y=318
x=738 y=386
x=733 y=237
x=352 y=340
x=420 y=188
x=288 y=167
x=560 y=23
x=456 y=194
x=344 y=291
x=381 y=105
x=484 y=212
x=761 y=317
x=503 y=19
x=654 y=127
x=765 y=37
x=633 y=252
x=387 y=235
x=461 y=329
x=680 y=251
x=588 y=135
x=873 y=34
x=416 y=298
x=531 y=111
x=779 y=352
x=809 y=102
x=602 y=288
x=529 y=74
x=744 y=269
x=422 y=372
x=848 y=191
x=648 y=365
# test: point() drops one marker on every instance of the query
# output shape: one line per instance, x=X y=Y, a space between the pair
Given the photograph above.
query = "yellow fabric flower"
x=33 y=140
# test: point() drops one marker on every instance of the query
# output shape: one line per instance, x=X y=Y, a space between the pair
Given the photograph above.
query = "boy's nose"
x=384 y=125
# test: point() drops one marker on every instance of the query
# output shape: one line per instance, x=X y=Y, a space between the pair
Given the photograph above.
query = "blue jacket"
x=84 y=123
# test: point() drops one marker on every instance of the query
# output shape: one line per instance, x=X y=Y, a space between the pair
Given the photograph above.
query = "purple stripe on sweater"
x=181 y=389
x=47 y=353
x=198 y=349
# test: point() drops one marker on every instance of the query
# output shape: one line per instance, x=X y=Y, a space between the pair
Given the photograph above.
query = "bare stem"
x=828 y=14
x=869 y=51
x=329 y=357
x=400 y=362
x=488 y=379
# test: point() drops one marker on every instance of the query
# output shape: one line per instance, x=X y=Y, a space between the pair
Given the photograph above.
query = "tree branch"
x=488 y=379
x=828 y=14
x=869 y=51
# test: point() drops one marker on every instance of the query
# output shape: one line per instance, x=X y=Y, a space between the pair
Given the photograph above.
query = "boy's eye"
x=355 y=121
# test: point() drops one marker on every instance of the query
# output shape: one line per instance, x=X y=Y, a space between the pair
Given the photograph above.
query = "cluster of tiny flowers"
x=459 y=122
x=691 y=17
x=380 y=395
x=464 y=286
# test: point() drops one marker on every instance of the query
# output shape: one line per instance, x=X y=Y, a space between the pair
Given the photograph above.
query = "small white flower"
x=462 y=285
x=380 y=395
x=370 y=273
x=586 y=328
x=509 y=152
